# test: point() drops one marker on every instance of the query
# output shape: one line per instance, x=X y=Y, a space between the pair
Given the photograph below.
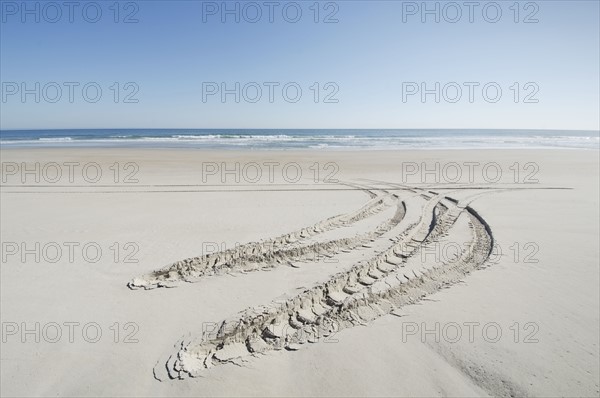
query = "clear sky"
x=369 y=62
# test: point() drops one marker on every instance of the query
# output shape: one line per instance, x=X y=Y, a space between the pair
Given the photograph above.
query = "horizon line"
x=285 y=128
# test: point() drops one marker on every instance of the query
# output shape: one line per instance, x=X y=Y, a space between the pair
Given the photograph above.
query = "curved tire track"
x=285 y=249
x=368 y=289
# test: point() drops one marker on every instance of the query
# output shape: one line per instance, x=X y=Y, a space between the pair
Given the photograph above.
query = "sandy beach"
x=140 y=272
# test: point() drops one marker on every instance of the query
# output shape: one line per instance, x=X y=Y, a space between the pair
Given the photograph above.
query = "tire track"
x=390 y=279
x=287 y=249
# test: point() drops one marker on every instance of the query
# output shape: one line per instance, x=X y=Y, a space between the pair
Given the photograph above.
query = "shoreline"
x=307 y=139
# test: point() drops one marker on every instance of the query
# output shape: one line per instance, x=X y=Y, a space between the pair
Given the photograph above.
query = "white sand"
x=171 y=212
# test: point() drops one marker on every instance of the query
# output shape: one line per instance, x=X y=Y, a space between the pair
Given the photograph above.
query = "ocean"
x=277 y=139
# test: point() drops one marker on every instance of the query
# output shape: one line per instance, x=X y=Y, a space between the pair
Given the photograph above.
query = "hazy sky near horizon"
x=303 y=64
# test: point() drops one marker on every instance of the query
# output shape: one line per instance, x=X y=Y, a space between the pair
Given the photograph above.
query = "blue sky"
x=365 y=62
